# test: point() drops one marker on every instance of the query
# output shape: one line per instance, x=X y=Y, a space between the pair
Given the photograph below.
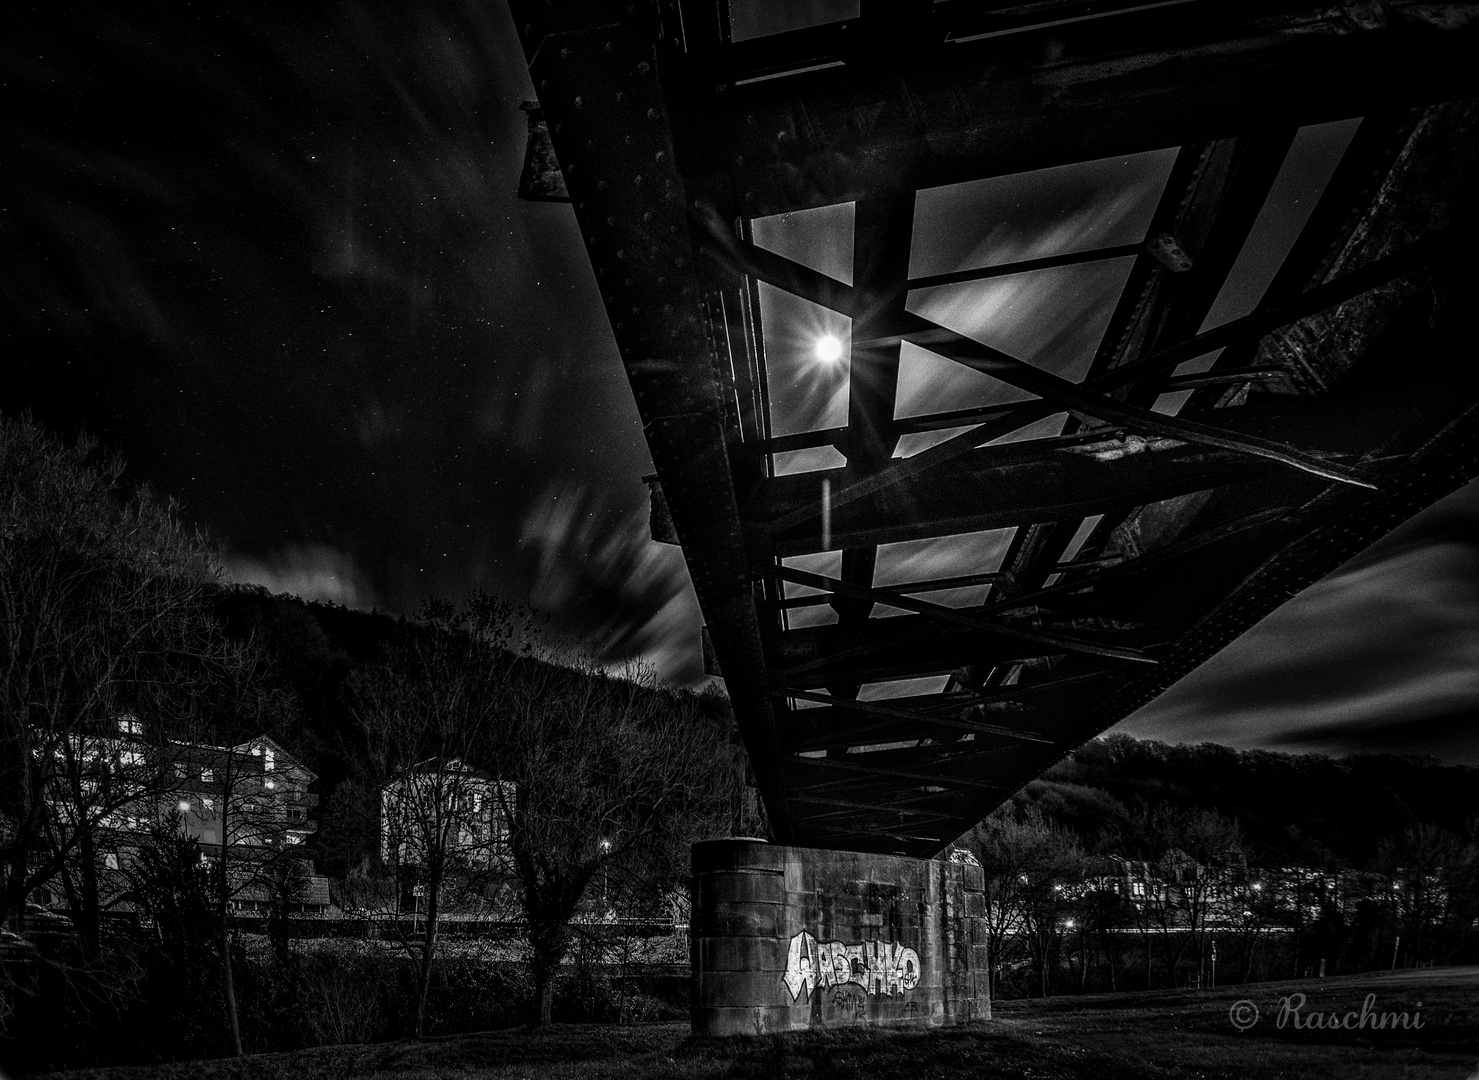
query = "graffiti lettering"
x=879 y=967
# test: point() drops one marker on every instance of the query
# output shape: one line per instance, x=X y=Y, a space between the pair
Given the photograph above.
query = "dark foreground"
x=1167 y=1034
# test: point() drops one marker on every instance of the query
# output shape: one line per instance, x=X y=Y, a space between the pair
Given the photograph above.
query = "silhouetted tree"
x=234 y=794
x=114 y=668
x=1002 y=846
x=425 y=714
x=105 y=641
x=170 y=883
x=1034 y=871
x=1427 y=865
x=602 y=769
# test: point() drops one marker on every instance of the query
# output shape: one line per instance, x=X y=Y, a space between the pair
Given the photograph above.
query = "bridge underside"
x=1150 y=316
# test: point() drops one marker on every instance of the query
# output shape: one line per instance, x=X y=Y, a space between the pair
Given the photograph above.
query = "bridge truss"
x=1075 y=443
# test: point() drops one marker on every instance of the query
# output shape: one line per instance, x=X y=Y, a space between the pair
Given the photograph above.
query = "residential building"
x=252 y=795
x=246 y=802
x=439 y=798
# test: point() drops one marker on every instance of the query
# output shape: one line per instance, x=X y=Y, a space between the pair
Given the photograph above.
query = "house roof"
x=453 y=765
x=287 y=758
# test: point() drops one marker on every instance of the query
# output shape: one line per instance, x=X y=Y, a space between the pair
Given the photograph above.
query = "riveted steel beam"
x=671 y=138
x=1139 y=80
x=601 y=96
x=997 y=487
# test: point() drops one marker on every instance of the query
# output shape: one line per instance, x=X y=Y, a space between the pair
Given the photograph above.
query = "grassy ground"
x=1147 y=1036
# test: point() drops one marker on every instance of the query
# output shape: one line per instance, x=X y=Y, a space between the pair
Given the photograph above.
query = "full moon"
x=828 y=348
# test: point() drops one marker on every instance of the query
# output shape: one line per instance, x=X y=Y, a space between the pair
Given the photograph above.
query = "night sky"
x=272 y=254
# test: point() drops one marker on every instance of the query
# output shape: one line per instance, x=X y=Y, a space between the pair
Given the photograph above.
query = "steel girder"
x=1142 y=541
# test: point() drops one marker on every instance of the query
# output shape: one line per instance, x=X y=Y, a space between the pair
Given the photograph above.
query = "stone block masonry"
x=788 y=938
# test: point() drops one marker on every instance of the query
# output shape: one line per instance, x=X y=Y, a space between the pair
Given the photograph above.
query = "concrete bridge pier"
x=788 y=938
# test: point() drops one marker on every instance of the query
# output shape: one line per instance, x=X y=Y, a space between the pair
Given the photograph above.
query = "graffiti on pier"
x=879 y=967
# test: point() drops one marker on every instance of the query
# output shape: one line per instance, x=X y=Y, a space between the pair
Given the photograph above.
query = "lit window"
x=269 y=756
x=207 y=776
x=209 y=804
x=129 y=724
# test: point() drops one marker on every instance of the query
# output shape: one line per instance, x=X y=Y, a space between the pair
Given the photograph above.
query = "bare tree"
x=1102 y=910
x=1251 y=909
x=1422 y=866
x=1214 y=844
x=113 y=671
x=250 y=812
x=1197 y=858
x=1033 y=875
x=1051 y=870
x=105 y=638
x=579 y=771
x=171 y=885
x=422 y=715
x=603 y=770
x=1000 y=847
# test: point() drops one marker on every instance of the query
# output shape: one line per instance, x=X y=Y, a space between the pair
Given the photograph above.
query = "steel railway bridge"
x=1107 y=393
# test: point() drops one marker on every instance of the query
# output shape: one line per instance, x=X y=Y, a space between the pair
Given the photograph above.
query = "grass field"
x=1147 y=1036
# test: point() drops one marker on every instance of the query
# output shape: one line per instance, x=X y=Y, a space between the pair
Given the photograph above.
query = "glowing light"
x=829 y=348
x=184 y=806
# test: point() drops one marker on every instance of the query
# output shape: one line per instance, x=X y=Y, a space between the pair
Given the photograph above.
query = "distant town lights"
x=829 y=348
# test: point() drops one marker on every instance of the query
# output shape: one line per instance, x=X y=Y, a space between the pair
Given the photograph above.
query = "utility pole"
x=605 y=846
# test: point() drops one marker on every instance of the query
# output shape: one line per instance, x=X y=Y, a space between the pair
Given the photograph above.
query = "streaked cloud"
x=607 y=584
x=311 y=571
x=1383 y=655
